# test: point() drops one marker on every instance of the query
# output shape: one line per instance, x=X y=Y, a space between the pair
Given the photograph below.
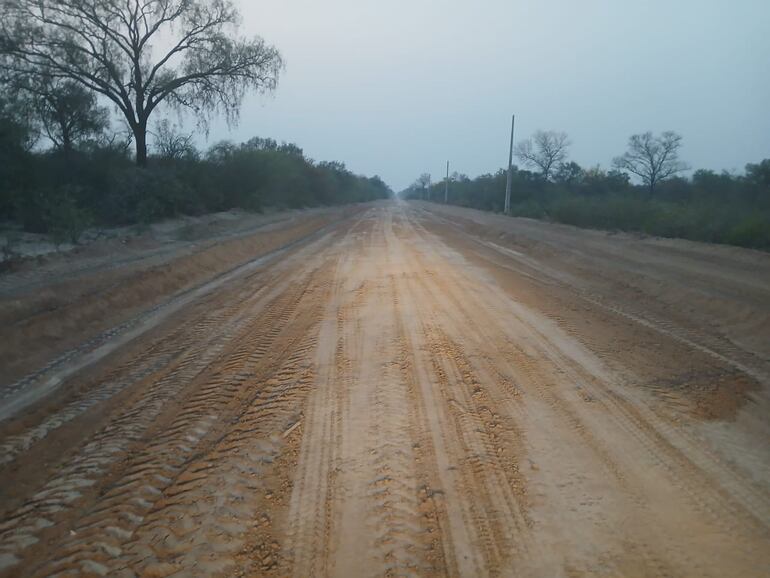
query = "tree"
x=652 y=159
x=568 y=173
x=759 y=173
x=68 y=113
x=18 y=134
x=170 y=144
x=112 y=47
x=596 y=181
x=544 y=151
x=423 y=182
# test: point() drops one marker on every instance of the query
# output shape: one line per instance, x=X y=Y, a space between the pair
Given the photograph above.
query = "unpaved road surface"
x=415 y=390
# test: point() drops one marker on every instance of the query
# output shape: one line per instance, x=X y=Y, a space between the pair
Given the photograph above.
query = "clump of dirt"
x=719 y=397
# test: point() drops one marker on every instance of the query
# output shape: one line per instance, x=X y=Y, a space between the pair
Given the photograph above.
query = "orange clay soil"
x=414 y=390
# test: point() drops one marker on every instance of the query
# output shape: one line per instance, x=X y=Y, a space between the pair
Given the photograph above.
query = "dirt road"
x=417 y=391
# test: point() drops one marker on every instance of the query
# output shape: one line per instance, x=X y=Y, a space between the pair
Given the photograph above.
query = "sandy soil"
x=76 y=301
x=415 y=390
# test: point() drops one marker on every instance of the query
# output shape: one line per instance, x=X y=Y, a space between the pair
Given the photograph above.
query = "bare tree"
x=545 y=150
x=652 y=159
x=171 y=144
x=113 y=47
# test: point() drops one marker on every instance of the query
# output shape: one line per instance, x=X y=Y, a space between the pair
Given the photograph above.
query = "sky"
x=398 y=87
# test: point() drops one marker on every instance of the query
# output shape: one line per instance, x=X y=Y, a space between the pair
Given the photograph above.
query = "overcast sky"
x=397 y=87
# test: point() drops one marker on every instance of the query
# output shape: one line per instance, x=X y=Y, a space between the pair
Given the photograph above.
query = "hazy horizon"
x=398 y=89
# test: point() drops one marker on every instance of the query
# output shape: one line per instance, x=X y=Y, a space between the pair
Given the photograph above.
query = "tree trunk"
x=140 y=136
x=66 y=140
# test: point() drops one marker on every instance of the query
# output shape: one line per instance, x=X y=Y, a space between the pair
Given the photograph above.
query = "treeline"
x=708 y=206
x=94 y=180
x=61 y=171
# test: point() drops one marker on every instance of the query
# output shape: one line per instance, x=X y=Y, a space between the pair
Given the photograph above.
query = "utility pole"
x=510 y=171
x=446 y=185
x=427 y=189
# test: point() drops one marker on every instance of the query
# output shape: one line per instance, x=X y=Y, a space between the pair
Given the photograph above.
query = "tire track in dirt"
x=701 y=462
x=377 y=406
x=688 y=465
x=162 y=358
x=395 y=495
x=491 y=475
x=682 y=471
x=50 y=377
x=483 y=515
x=309 y=518
x=126 y=430
x=712 y=343
x=211 y=321
x=141 y=485
x=359 y=507
x=206 y=514
x=485 y=330
x=156 y=357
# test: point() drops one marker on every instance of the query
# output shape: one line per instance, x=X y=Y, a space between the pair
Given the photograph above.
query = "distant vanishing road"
x=406 y=389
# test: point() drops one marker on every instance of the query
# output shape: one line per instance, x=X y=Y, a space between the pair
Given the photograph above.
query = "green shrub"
x=712 y=208
x=753 y=231
x=142 y=196
x=67 y=221
x=55 y=212
x=48 y=192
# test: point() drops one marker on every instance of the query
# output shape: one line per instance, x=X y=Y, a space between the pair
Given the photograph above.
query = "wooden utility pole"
x=446 y=185
x=510 y=171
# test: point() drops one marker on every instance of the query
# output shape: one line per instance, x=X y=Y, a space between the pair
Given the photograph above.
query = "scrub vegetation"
x=706 y=206
x=67 y=67
x=97 y=183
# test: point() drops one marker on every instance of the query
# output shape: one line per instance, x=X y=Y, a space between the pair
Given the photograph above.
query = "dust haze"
x=397 y=88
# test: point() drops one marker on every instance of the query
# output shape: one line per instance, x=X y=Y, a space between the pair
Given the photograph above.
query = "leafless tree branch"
x=544 y=151
x=111 y=47
x=652 y=158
